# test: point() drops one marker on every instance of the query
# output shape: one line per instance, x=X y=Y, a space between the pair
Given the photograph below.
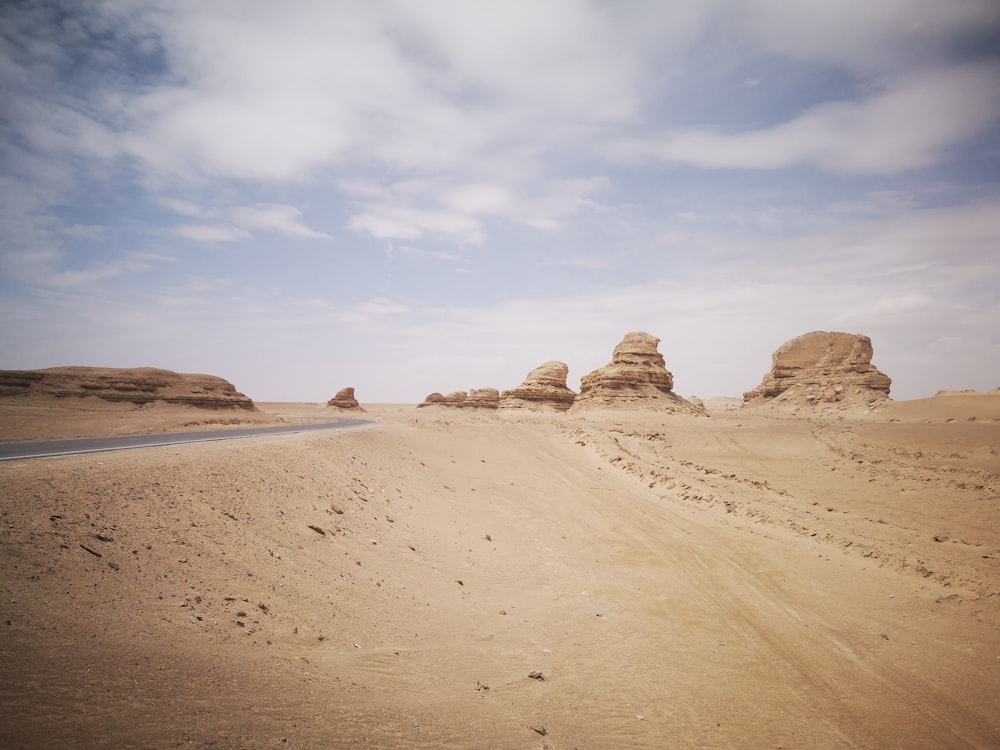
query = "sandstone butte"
x=544 y=389
x=345 y=400
x=636 y=378
x=140 y=385
x=822 y=368
x=476 y=398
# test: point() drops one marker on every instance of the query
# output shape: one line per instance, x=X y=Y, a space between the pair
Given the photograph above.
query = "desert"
x=548 y=375
x=813 y=575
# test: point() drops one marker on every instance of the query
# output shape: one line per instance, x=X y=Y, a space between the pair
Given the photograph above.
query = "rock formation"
x=477 y=398
x=636 y=378
x=437 y=399
x=141 y=385
x=483 y=398
x=345 y=400
x=822 y=368
x=544 y=389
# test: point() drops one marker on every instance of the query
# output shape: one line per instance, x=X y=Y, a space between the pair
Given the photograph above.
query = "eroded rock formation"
x=483 y=398
x=140 y=385
x=345 y=400
x=476 y=398
x=637 y=377
x=438 y=399
x=822 y=367
x=544 y=389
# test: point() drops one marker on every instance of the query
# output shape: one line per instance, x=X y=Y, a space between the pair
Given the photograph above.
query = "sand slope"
x=52 y=418
x=739 y=581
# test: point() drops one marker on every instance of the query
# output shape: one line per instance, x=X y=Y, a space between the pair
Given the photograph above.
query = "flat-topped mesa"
x=636 y=378
x=822 y=367
x=345 y=400
x=543 y=390
x=139 y=385
x=476 y=398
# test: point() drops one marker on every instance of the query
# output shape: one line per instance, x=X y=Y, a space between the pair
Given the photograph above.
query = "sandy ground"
x=748 y=580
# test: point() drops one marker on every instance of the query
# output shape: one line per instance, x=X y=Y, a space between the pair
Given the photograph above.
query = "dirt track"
x=741 y=581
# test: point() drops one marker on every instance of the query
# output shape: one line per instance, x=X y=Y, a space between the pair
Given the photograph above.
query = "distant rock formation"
x=822 y=368
x=636 y=378
x=345 y=400
x=140 y=385
x=544 y=389
x=476 y=398
x=437 y=399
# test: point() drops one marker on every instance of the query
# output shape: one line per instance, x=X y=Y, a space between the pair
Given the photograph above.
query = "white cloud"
x=185 y=207
x=274 y=217
x=557 y=201
x=261 y=92
x=584 y=262
x=265 y=93
x=268 y=92
x=548 y=57
x=239 y=222
x=201 y=285
x=905 y=304
x=373 y=312
x=435 y=254
x=210 y=232
x=402 y=223
x=76 y=277
x=477 y=198
x=908 y=126
x=413 y=209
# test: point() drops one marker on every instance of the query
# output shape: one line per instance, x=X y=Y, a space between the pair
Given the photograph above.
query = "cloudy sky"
x=409 y=197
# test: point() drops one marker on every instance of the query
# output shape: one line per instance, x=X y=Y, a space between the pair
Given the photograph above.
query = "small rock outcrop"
x=345 y=400
x=544 y=389
x=140 y=385
x=438 y=399
x=476 y=398
x=822 y=367
x=637 y=377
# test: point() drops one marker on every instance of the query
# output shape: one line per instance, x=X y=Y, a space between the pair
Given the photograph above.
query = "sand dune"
x=948 y=406
x=747 y=580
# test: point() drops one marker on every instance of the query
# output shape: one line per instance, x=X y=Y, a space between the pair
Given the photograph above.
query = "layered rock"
x=636 y=377
x=476 y=398
x=544 y=389
x=437 y=399
x=140 y=385
x=345 y=400
x=822 y=367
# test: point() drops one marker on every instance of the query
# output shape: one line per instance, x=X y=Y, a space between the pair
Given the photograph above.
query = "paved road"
x=69 y=447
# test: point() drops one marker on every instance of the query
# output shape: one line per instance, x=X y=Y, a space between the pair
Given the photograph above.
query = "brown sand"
x=50 y=418
x=746 y=580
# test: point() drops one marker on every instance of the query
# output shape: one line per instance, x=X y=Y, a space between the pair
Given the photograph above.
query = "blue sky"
x=408 y=197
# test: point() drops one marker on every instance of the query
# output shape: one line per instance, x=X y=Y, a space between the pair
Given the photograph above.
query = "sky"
x=408 y=197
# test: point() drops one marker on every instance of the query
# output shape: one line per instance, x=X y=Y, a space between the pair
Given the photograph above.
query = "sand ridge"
x=737 y=581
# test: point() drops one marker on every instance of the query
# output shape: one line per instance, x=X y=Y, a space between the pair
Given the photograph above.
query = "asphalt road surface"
x=73 y=446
